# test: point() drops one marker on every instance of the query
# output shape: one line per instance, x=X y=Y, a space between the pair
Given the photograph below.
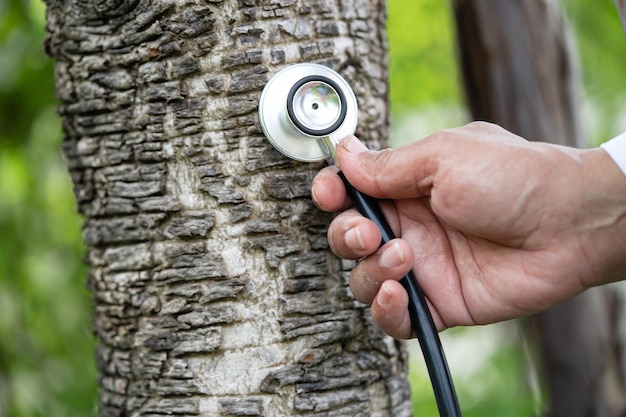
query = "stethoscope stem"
x=421 y=320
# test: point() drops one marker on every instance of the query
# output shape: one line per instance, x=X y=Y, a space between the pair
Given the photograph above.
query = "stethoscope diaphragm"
x=304 y=105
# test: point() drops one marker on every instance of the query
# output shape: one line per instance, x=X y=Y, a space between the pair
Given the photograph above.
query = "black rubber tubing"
x=421 y=320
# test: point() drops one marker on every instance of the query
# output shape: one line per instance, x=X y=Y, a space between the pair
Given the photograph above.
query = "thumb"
x=405 y=172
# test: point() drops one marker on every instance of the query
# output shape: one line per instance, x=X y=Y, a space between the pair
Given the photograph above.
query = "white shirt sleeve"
x=616 y=148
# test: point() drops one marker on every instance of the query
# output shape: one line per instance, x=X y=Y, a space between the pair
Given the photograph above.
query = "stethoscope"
x=304 y=111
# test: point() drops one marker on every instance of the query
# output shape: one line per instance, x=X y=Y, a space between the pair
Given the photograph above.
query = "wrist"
x=603 y=216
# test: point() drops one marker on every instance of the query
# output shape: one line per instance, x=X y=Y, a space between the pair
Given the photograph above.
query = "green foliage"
x=422 y=62
x=601 y=43
x=602 y=48
x=46 y=347
x=488 y=368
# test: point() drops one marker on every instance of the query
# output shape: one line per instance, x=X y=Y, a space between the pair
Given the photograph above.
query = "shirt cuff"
x=616 y=148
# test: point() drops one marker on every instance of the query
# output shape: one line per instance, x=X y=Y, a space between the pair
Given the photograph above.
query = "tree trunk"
x=519 y=68
x=520 y=71
x=214 y=290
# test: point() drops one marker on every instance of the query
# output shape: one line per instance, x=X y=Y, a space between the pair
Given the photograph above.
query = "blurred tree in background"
x=46 y=347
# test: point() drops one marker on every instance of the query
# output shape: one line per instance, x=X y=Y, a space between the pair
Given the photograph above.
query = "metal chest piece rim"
x=302 y=106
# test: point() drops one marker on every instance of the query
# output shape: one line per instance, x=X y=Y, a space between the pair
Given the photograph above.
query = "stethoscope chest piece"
x=304 y=108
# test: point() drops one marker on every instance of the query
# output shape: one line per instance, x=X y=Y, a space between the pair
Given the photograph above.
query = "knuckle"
x=363 y=283
x=358 y=286
x=335 y=240
x=381 y=167
x=480 y=125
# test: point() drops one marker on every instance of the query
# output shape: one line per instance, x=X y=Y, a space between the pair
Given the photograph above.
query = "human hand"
x=494 y=227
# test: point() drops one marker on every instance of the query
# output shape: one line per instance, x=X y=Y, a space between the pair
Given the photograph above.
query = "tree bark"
x=520 y=71
x=214 y=290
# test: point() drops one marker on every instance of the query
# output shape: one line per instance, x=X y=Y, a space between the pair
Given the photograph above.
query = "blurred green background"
x=46 y=347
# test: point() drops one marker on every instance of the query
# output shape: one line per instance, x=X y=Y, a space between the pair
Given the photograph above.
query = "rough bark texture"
x=214 y=290
x=520 y=71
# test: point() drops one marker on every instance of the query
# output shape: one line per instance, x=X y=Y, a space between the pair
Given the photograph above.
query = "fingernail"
x=354 y=145
x=392 y=256
x=313 y=189
x=384 y=295
x=354 y=240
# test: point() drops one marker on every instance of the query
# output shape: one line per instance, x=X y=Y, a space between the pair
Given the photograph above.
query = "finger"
x=352 y=236
x=414 y=169
x=328 y=191
x=392 y=261
x=404 y=172
x=390 y=310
